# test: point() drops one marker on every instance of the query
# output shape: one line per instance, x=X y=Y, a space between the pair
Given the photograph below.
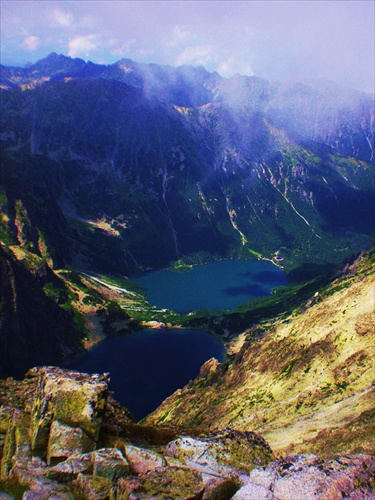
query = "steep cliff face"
x=46 y=316
x=304 y=382
x=34 y=329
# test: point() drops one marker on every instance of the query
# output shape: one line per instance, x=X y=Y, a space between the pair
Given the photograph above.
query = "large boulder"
x=163 y=482
x=224 y=459
x=76 y=400
x=63 y=417
x=69 y=469
x=110 y=463
x=225 y=452
x=142 y=460
x=87 y=487
x=106 y=462
x=63 y=439
x=16 y=444
x=305 y=477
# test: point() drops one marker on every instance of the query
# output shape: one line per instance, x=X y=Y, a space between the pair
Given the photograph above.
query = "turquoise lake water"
x=150 y=365
x=217 y=285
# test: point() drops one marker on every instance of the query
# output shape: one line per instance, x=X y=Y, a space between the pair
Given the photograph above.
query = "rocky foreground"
x=63 y=436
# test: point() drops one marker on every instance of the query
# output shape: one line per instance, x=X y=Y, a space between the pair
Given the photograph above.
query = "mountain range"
x=109 y=170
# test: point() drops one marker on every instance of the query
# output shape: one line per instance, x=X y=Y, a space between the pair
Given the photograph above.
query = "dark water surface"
x=150 y=365
x=216 y=285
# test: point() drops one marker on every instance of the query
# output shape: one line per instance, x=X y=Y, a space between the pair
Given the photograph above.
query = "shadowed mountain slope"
x=252 y=166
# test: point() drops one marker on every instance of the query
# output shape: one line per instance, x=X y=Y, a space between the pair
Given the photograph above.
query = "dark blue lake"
x=217 y=285
x=150 y=365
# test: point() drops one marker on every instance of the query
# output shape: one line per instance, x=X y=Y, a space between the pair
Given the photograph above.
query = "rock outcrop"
x=63 y=436
x=305 y=477
x=67 y=411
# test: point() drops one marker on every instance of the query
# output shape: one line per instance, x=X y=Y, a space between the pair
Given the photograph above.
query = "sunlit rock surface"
x=67 y=410
x=133 y=461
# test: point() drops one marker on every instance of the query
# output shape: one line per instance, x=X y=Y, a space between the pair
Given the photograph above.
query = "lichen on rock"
x=75 y=399
x=223 y=465
x=63 y=439
x=222 y=452
x=163 y=482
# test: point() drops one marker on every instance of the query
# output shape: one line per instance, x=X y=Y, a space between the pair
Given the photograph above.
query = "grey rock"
x=16 y=444
x=162 y=483
x=304 y=477
x=219 y=487
x=223 y=453
x=142 y=460
x=75 y=399
x=63 y=439
x=69 y=469
x=87 y=487
x=110 y=463
x=252 y=492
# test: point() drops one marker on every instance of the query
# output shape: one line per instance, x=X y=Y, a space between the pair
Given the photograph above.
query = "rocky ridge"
x=304 y=380
x=63 y=437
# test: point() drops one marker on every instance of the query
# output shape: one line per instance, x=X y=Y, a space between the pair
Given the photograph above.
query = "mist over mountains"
x=186 y=161
x=127 y=167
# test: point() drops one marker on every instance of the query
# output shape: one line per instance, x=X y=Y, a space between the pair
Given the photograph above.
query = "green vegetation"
x=57 y=293
x=253 y=252
x=180 y=266
x=186 y=262
x=287 y=370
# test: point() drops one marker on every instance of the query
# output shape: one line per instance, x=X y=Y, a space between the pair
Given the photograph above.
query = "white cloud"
x=196 y=55
x=231 y=66
x=81 y=46
x=180 y=35
x=144 y=52
x=63 y=18
x=128 y=48
x=31 y=42
x=121 y=48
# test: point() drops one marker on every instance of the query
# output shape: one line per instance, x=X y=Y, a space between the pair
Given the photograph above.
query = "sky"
x=274 y=39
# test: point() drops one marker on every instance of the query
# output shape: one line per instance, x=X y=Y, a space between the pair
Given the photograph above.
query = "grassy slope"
x=307 y=385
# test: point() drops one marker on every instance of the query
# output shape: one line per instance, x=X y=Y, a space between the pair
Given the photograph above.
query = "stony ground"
x=63 y=438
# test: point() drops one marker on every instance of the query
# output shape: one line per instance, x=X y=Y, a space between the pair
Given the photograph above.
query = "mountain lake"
x=148 y=366
x=217 y=285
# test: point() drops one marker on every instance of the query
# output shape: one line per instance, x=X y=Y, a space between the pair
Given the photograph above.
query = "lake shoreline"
x=211 y=286
x=187 y=267
x=150 y=365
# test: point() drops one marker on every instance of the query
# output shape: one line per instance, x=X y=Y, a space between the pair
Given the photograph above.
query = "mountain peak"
x=56 y=62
